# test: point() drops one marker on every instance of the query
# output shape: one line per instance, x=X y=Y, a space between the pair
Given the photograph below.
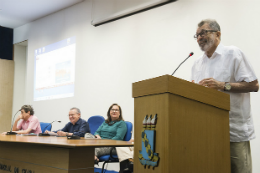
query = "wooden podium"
x=192 y=129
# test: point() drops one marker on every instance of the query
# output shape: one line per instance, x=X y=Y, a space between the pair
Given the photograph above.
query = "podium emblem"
x=147 y=155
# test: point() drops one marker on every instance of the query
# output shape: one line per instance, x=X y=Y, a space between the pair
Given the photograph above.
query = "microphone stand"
x=45 y=134
x=182 y=63
x=11 y=131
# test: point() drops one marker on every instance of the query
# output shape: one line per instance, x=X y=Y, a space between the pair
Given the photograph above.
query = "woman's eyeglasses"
x=114 y=110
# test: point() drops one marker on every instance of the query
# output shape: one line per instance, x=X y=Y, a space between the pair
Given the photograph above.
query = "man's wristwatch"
x=67 y=133
x=227 y=86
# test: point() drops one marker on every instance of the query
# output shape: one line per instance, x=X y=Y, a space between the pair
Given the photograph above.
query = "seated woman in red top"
x=29 y=122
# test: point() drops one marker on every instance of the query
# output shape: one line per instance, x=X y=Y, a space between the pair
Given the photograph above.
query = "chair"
x=113 y=158
x=94 y=123
x=45 y=126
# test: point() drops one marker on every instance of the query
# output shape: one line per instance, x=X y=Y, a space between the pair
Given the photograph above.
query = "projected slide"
x=54 y=71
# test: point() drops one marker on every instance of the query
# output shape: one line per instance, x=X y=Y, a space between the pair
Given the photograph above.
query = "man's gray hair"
x=77 y=109
x=213 y=24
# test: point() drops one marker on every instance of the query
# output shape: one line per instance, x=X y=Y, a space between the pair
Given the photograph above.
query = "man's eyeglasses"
x=114 y=110
x=72 y=115
x=203 y=33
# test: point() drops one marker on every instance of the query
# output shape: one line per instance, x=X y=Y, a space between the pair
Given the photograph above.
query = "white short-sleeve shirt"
x=229 y=64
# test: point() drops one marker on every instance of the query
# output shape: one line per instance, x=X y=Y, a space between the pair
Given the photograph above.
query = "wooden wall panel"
x=6 y=93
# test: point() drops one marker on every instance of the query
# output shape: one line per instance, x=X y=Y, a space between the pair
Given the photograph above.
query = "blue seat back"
x=94 y=123
x=44 y=125
x=128 y=134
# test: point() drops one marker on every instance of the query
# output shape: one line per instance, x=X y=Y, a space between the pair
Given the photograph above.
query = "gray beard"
x=208 y=45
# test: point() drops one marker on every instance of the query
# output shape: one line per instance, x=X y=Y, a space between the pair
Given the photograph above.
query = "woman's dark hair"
x=27 y=108
x=108 y=120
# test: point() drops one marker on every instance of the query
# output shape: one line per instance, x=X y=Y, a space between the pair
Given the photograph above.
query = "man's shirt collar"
x=219 y=51
x=78 y=122
x=29 y=119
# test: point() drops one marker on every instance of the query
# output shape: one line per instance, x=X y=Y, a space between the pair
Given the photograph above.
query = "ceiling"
x=15 y=13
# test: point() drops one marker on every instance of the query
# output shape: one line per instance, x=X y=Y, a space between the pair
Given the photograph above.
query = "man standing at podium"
x=227 y=69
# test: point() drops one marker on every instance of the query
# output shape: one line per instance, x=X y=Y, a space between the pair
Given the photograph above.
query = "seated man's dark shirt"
x=80 y=128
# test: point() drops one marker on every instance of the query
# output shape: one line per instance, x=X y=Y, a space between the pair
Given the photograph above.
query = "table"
x=50 y=154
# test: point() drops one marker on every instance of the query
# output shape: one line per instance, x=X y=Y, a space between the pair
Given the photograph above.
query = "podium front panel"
x=190 y=136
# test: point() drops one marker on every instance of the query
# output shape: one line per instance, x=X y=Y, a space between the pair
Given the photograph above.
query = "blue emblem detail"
x=150 y=137
x=147 y=155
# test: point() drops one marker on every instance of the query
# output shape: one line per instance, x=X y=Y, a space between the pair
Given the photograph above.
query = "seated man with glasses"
x=76 y=126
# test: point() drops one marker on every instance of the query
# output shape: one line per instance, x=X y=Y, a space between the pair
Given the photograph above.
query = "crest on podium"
x=147 y=155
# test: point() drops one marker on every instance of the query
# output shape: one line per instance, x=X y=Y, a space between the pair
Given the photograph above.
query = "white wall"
x=109 y=58
x=20 y=54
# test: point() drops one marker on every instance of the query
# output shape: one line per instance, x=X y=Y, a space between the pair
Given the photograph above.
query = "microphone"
x=11 y=131
x=45 y=134
x=182 y=62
